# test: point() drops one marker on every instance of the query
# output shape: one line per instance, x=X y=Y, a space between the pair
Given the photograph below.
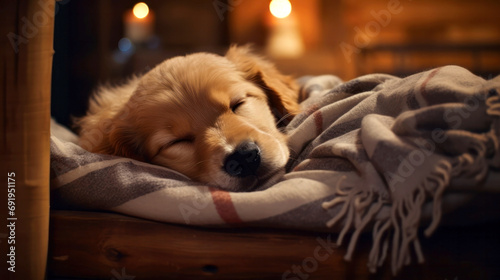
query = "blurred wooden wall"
x=353 y=37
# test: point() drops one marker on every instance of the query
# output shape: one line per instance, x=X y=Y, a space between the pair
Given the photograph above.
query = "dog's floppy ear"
x=123 y=141
x=282 y=91
x=113 y=139
x=109 y=127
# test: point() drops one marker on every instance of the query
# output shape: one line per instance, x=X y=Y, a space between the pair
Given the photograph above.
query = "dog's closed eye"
x=177 y=142
x=183 y=140
x=237 y=105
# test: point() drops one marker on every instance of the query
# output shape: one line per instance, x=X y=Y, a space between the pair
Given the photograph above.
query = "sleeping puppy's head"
x=209 y=117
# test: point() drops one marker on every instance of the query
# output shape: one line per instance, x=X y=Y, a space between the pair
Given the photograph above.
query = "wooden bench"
x=93 y=245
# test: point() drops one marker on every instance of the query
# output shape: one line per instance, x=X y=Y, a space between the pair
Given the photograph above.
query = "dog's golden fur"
x=190 y=113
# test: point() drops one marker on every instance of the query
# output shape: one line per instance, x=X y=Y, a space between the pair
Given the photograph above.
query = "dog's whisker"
x=283 y=119
x=200 y=162
x=292 y=151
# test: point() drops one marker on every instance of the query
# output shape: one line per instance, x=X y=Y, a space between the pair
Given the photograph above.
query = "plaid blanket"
x=378 y=153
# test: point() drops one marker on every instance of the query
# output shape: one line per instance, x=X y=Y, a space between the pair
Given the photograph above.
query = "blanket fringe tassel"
x=359 y=207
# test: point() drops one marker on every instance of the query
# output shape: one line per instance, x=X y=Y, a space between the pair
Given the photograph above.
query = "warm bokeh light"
x=141 y=10
x=280 y=8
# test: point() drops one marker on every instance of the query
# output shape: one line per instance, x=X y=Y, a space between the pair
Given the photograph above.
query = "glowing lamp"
x=280 y=8
x=140 y=10
x=285 y=40
x=139 y=22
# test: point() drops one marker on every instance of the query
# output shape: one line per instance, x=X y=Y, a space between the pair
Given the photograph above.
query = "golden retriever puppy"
x=212 y=118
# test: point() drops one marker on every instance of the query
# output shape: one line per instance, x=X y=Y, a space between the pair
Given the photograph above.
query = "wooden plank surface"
x=90 y=245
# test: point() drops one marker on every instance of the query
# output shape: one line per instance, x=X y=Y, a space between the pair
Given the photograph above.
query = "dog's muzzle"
x=243 y=161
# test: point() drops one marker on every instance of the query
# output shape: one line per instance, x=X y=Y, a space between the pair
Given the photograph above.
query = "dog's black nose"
x=244 y=161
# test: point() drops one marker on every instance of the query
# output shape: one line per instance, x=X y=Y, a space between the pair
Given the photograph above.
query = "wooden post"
x=26 y=47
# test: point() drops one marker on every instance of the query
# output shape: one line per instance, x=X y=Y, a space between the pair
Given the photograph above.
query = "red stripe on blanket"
x=423 y=89
x=318 y=121
x=225 y=206
x=315 y=112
